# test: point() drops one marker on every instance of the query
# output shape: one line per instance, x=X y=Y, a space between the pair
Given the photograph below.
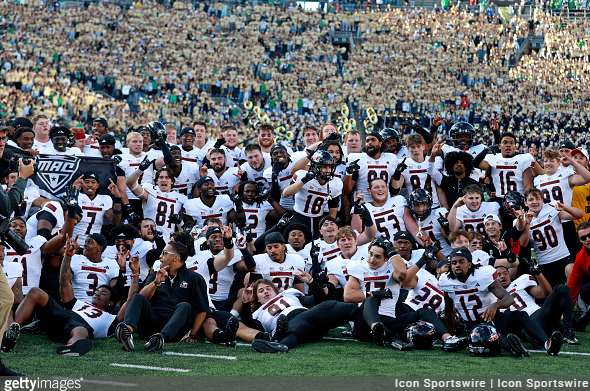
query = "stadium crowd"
x=427 y=227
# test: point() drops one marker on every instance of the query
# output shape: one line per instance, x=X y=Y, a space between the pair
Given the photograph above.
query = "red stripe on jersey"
x=374 y=166
x=506 y=167
x=288 y=274
x=193 y=268
x=541 y=224
x=15 y=254
x=550 y=183
x=465 y=292
x=317 y=193
x=251 y=210
x=53 y=208
x=376 y=278
x=94 y=147
x=532 y=278
x=417 y=171
x=91 y=208
x=473 y=220
x=188 y=159
x=383 y=213
x=94 y=269
x=286 y=178
x=165 y=199
x=271 y=302
x=332 y=251
x=211 y=216
x=434 y=288
x=134 y=164
x=427 y=228
x=495 y=275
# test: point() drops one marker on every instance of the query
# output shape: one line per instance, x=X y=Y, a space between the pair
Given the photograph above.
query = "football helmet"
x=420 y=196
x=513 y=200
x=421 y=334
x=157 y=129
x=391 y=134
x=322 y=159
x=460 y=129
x=484 y=341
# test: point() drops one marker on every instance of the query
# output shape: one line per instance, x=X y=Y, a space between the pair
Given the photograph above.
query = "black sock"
x=263 y=335
x=219 y=336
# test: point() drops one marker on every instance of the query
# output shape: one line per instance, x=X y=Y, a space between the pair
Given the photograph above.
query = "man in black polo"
x=170 y=299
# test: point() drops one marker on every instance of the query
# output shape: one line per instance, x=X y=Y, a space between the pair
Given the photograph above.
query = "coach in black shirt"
x=163 y=310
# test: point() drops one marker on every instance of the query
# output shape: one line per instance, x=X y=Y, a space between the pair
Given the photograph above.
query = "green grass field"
x=36 y=356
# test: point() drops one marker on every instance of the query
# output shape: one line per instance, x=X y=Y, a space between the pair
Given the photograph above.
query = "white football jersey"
x=99 y=319
x=30 y=195
x=523 y=300
x=89 y=275
x=221 y=281
x=304 y=253
x=472 y=297
x=415 y=256
x=53 y=207
x=227 y=181
x=233 y=156
x=388 y=218
x=426 y=293
x=507 y=173
x=92 y=215
x=370 y=168
x=48 y=146
x=282 y=274
x=281 y=304
x=374 y=280
x=416 y=177
x=312 y=197
x=13 y=271
x=195 y=155
x=338 y=266
x=556 y=187
x=129 y=164
x=473 y=151
x=475 y=221
x=431 y=227
x=201 y=212
x=257 y=176
x=327 y=252
x=284 y=179
x=546 y=236
x=140 y=249
x=30 y=262
x=186 y=180
x=256 y=217
x=160 y=205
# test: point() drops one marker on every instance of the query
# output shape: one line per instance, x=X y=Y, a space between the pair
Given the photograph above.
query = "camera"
x=9 y=238
x=13 y=163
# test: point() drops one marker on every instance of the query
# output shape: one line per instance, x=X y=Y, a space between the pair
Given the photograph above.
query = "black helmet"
x=322 y=158
x=513 y=200
x=420 y=196
x=462 y=128
x=422 y=334
x=385 y=244
x=157 y=129
x=484 y=341
x=391 y=134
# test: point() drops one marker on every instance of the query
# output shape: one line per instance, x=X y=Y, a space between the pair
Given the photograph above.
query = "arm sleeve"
x=425 y=134
x=334 y=202
x=259 y=242
x=165 y=151
x=434 y=174
x=153 y=255
x=275 y=190
x=248 y=258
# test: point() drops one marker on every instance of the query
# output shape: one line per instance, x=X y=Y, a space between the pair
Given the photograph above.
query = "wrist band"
x=136 y=186
x=134 y=275
x=228 y=243
x=67 y=253
x=117 y=200
x=117 y=211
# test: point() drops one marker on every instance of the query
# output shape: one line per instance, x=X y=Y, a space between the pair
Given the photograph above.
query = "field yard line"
x=341 y=339
x=108 y=383
x=199 y=355
x=148 y=367
x=562 y=352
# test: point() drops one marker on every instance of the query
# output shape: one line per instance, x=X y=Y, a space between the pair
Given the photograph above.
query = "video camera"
x=9 y=238
x=13 y=162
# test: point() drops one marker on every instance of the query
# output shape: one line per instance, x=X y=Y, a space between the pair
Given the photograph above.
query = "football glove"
x=382 y=294
x=146 y=162
x=175 y=219
x=353 y=167
x=444 y=224
x=401 y=166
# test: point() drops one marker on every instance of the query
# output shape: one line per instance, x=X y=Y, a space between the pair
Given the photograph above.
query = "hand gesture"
x=114 y=189
x=437 y=121
x=247 y=293
x=78 y=183
x=72 y=245
x=241 y=241
x=353 y=167
x=304 y=276
x=444 y=223
x=460 y=202
x=122 y=257
x=501 y=245
x=161 y=275
x=90 y=140
x=437 y=148
x=359 y=197
x=227 y=231
x=567 y=160
x=493 y=125
x=401 y=166
x=117 y=158
x=559 y=206
x=240 y=173
x=284 y=221
x=203 y=170
x=314 y=252
x=427 y=242
x=134 y=265
x=145 y=163
x=72 y=197
x=157 y=234
x=529 y=216
x=174 y=219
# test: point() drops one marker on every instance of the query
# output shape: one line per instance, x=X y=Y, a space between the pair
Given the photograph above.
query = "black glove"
x=235 y=198
x=321 y=278
x=117 y=158
x=72 y=197
x=314 y=252
x=430 y=252
x=263 y=194
x=247 y=232
x=382 y=294
x=333 y=136
x=276 y=170
x=352 y=167
x=284 y=221
x=145 y=164
x=444 y=224
x=157 y=234
x=311 y=174
x=534 y=267
x=220 y=141
x=364 y=214
x=401 y=166
x=132 y=217
x=174 y=219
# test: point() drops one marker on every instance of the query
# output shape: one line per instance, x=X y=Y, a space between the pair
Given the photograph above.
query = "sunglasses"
x=164 y=252
x=584 y=237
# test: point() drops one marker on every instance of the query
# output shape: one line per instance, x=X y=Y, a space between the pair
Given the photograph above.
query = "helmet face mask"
x=420 y=197
x=422 y=334
x=484 y=341
x=323 y=159
x=391 y=140
x=513 y=200
x=458 y=133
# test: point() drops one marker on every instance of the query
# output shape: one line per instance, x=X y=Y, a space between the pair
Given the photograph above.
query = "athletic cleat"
x=33 y=328
x=553 y=346
x=230 y=332
x=280 y=330
x=455 y=344
x=124 y=336
x=379 y=335
x=78 y=348
x=347 y=333
x=11 y=337
x=516 y=347
x=569 y=337
x=263 y=346
x=155 y=343
x=399 y=344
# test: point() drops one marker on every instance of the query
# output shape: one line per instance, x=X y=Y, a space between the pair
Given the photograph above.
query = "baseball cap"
x=566 y=144
x=204 y=180
x=273 y=238
x=404 y=235
x=493 y=217
x=442 y=262
x=461 y=252
x=102 y=121
x=106 y=139
x=59 y=131
x=21 y=122
x=187 y=130
x=80 y=135
x=90 y=175
x=581 y=150
x=3 y=127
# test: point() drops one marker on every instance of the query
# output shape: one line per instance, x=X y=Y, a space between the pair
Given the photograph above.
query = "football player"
x=279 y=175
x=463 y=137
x=256 y=164
x=258 y=206
x=469 y=211
x=431 y=223
x=226 y=178
x=209 y=204
x=189 y=151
